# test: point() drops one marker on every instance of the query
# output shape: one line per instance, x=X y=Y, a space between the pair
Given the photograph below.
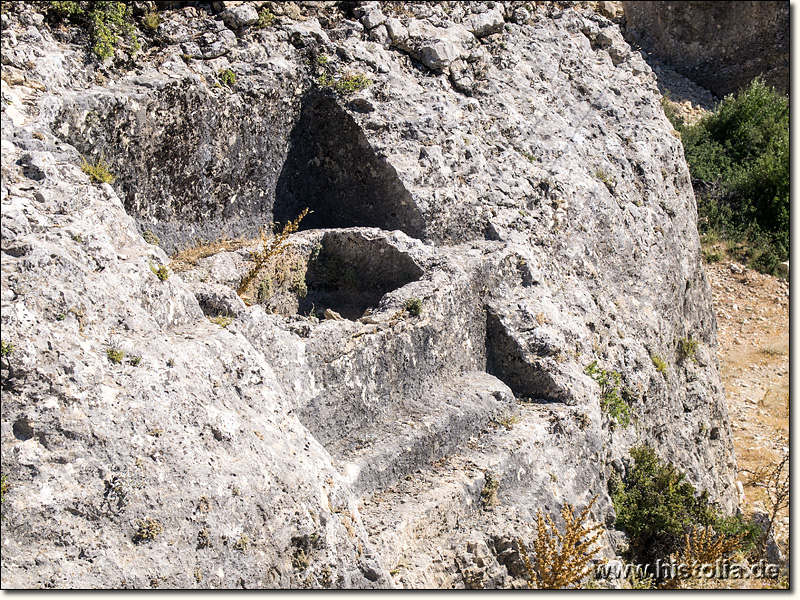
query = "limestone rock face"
x=721 y=46
x=395 y=394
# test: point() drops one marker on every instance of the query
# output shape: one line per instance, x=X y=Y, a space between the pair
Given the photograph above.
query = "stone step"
x=421 y=431
x=442 y=510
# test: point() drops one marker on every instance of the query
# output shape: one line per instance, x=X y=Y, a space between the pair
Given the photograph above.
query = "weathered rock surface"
x=501 y=207
x=722 y=46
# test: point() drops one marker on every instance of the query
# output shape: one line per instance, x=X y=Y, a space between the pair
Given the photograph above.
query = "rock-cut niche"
x=332 y=169
x=191 y=164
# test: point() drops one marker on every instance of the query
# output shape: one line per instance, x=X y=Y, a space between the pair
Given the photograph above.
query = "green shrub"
x=105 y=22
x=610 y=397
x=227 y=77
x=740 y=152
x=98 y=171
x=414 y=306
x=656 y=507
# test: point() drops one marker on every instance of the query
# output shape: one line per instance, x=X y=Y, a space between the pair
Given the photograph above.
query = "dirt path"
x=753 y=319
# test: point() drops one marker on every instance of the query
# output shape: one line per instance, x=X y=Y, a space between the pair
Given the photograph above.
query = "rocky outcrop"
x=721 y=46
x=500 y=207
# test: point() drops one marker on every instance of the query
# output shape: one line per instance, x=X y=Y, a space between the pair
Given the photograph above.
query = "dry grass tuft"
x=187 y=259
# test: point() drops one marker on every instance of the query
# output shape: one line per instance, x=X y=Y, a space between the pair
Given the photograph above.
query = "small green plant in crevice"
x=105 y=22
x=6 y=349
x=687 y=348
x=151 y=20
x=242 y=544
x=221 y=320
x=489 y=491
x=203 y=539
x=610 y=396
x=345 y=84
x=151 y=238
x=3 y=489
x=507 y=419
x=298 y=286
x=147 y=530
x=97 y=171
x=265 y=290
x=608 y=181
x=659 y=363
x=300 y=560
x=227 y=77
x=162 y=272
x=115 y=354
x=266 y=18
x=413 y=306
x=134 y=360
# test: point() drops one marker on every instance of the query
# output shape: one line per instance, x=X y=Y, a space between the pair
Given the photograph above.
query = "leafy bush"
x=610 y=398
x=740 y=155
x=656 y=507
x=105 y=21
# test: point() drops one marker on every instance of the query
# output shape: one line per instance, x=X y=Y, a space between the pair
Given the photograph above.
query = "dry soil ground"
x=753 y=319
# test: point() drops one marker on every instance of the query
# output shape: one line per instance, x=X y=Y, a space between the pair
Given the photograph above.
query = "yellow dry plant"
x=702 y=546
x=270 y=246
x=560 y=560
